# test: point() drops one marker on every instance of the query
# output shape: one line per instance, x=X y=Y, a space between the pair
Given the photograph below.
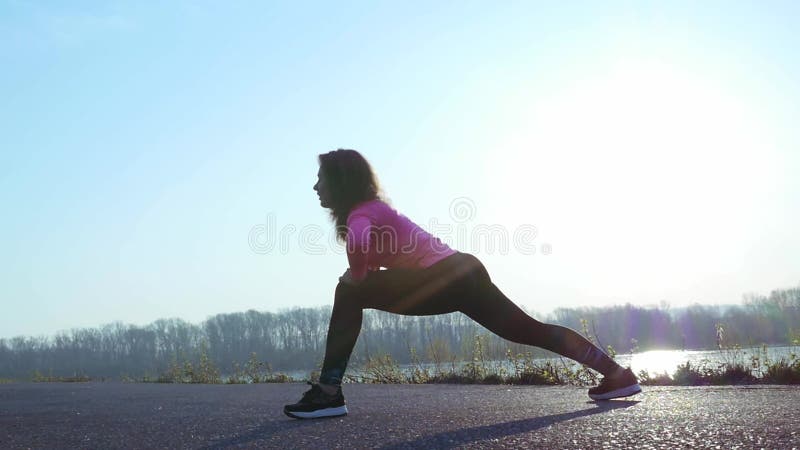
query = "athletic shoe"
x=316 y=403
x=622 y=385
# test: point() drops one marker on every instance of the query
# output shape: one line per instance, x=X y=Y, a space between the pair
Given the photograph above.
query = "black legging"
x=459 y=282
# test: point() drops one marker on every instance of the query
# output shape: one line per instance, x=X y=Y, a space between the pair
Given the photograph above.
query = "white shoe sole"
x=621 y=392
x=327 y=412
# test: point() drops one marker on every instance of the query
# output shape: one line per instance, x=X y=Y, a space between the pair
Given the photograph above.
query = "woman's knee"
x=478 y=275
x=346 y=294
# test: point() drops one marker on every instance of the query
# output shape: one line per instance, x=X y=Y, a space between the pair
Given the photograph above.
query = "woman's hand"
x=347 y=278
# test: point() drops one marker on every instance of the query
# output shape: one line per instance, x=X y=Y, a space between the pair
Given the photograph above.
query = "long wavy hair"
x=350 y=180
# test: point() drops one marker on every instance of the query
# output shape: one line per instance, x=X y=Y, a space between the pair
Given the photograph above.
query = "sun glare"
x=657 y=362
x=657 y=160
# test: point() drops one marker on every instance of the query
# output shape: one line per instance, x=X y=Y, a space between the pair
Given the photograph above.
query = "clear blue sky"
x=653 y=146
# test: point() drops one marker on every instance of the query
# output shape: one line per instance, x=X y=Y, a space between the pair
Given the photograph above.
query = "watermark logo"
x=462 y=210
x=458 y=233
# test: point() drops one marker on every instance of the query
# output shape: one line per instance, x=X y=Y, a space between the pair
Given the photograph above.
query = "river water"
x=655 y=362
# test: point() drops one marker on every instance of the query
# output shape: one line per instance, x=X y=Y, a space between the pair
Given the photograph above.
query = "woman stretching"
x=424 y=277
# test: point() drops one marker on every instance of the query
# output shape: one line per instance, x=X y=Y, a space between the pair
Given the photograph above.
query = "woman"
x=423 y=277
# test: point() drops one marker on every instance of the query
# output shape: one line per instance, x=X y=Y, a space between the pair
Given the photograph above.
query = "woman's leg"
x=457 y=283
x=343 y=332
x=416 y=292
x=492 y=309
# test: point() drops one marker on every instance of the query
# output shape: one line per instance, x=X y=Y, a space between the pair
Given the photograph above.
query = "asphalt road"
x=121 y=415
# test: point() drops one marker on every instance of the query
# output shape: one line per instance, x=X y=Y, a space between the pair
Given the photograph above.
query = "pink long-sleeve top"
x=378 y=236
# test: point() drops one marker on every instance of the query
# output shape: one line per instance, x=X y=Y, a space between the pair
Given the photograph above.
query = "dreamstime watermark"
x=312 y=239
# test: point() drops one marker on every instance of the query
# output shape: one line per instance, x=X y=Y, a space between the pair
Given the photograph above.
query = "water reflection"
x=657 y=362
x=654 y=362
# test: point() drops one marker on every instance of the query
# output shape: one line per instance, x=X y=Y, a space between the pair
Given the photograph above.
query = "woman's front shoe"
x=316 y=404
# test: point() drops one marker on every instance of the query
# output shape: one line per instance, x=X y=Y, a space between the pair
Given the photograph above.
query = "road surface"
x=138 y=415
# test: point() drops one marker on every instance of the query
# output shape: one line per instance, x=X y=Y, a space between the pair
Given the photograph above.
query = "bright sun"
x=646 y=170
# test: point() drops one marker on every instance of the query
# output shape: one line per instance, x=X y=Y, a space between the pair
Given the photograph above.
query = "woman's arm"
x=358 y=247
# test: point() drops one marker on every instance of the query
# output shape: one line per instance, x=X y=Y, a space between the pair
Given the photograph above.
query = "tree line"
x=294 y=339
